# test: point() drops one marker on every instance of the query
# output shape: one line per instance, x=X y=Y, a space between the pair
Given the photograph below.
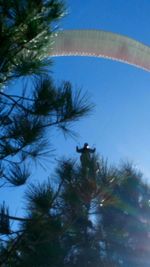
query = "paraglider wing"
x=98 y=43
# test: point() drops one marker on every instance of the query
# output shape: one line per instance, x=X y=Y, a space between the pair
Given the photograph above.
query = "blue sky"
x=119 y=127
x=120 y=124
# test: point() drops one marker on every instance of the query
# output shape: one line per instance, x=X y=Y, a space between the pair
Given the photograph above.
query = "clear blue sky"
x=119 y=127
x=120 y=124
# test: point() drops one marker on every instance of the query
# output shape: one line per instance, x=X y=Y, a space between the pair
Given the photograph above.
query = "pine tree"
x=58 y=230
x=26 y=29
x=124 y=222
x=95 y=215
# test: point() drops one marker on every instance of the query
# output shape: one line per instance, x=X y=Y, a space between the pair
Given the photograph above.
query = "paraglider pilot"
x=85 y=153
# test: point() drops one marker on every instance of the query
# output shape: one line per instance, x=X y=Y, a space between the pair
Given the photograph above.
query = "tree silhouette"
x=57 y=225
x=38 y=104
x=95 y=218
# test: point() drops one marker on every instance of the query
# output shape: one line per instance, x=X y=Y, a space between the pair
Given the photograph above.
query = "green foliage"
x=25 y=31
x=18 y=175
x=40 y=198
x=123 y=221
x=45 y=97
x=25 y=119
x=26 y=28
x=86 y=218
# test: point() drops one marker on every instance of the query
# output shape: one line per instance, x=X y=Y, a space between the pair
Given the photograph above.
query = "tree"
x=94 y=217
x=26 y=28
x=124 y=224
x=25 y=119
x=25 y=31
x=57 y=226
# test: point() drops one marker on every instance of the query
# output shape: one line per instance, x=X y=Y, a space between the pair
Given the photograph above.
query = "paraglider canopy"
x=104 y=44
